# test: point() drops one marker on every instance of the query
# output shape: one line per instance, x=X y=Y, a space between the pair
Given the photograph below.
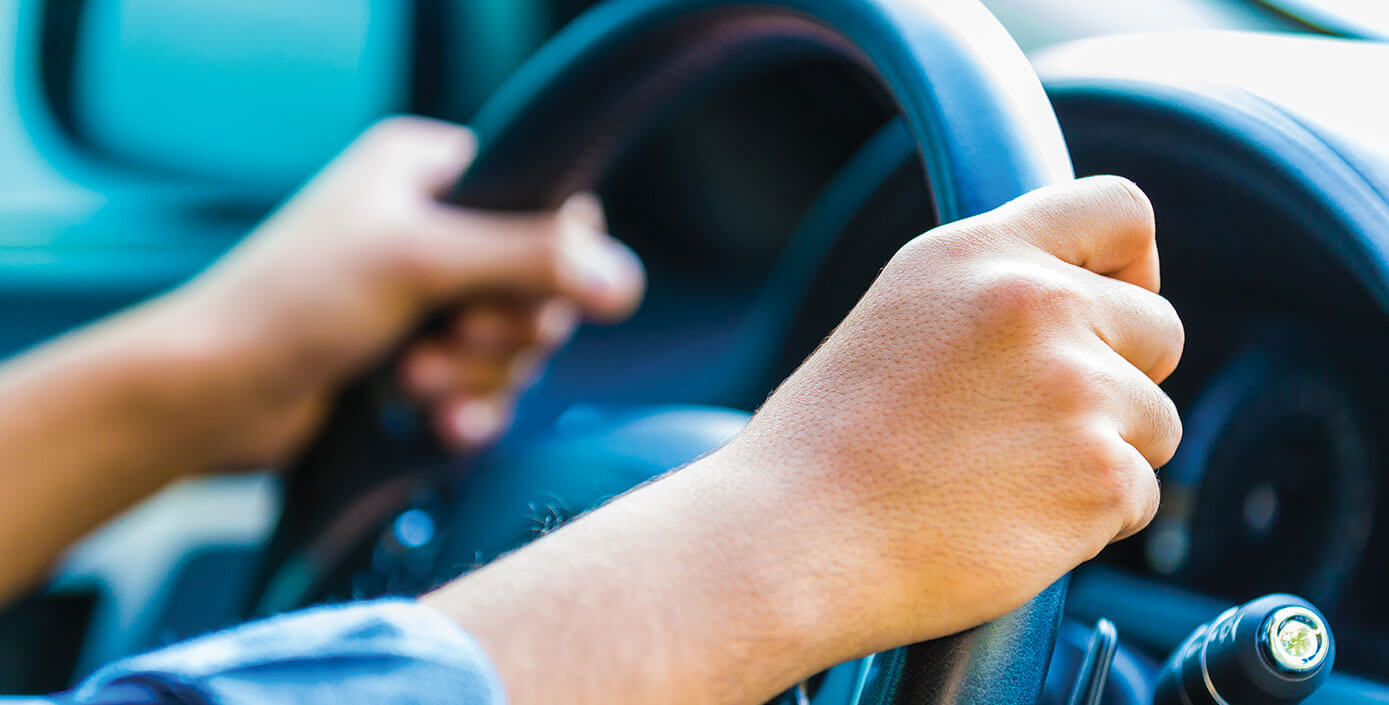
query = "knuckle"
x=1150 y=319
x=1096 y=451
x=396 y=130
x=1132 y=202
x=414 y=141
x=1149 y=503
x=1113 y=468
x=1129 y=199
x=1067 y=383
x=389 y=132
x=1167 y=423
x=911 y=262
x=1120 y=482
x=1174 y=333
x=1027 y=296
x=1140 y=503
x=954 y=241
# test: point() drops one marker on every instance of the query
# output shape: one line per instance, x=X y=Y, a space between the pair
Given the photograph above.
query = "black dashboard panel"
x=1274 y=486
x=1265 y=161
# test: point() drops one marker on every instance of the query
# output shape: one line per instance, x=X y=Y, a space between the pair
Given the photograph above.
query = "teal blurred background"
x=140 y=138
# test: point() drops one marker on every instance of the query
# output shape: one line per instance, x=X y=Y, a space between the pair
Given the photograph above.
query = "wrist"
x=881 y=583
x=704 y=572
x=743 y=528
x=185 y=371
x=210 y=373
x=272 y=359
x=818 y=562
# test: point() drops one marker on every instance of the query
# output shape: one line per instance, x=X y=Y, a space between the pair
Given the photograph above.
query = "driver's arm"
x=985 y=419
x=235 y=369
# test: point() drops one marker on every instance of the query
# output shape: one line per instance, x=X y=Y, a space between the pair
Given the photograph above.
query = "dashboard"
x=1272 y=236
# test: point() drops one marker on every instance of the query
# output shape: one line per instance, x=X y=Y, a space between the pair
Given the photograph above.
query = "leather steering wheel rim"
x=972 y=105
x=566 y=115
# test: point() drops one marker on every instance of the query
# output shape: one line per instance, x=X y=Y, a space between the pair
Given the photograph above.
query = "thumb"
x=553 y=254
x=1101 y=223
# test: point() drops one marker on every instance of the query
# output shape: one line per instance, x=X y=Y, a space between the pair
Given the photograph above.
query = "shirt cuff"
x=385 y=651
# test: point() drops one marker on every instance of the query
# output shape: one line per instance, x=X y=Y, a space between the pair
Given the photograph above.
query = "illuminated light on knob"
x=1276 y=650
x=1296 y=639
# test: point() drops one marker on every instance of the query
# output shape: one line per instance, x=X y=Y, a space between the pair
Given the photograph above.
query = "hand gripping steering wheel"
x=985 y=134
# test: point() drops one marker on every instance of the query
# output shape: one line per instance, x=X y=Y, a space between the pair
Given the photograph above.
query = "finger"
x=1143 y=496
x=1101 y=223
x=426 y=155
x=495 y=326
x=542 y=255
x=555 y=323
x=467 y=250
x=1140 y=325
x=432 y=370
x=1148 y=419
x=468 y=423
x=588 y=209
x=508 y=324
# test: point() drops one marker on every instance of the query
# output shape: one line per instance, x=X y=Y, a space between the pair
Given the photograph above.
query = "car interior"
x=767 y=160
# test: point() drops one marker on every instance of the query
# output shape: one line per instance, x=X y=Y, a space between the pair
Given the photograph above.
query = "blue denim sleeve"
x=368 y=653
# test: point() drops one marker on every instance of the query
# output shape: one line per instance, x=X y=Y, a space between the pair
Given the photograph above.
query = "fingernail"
x=587 y=207
x=604 y=264
x=558 y=319
x=476 y=422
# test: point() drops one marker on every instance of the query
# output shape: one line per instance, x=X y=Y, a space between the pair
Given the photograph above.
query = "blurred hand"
x=329 y=286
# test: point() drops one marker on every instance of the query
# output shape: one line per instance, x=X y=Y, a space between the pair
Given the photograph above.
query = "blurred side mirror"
x=251 y=91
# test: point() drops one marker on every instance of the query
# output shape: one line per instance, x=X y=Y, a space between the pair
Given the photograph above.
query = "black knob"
x=1276 y=649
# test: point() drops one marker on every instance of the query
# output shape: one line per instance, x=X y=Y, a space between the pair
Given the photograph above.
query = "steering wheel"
x=971 y=105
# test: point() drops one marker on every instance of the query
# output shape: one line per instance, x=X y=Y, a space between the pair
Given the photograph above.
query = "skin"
x=985 y=419
x=236 y=369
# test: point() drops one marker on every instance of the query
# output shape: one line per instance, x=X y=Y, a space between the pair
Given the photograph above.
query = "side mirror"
x=249 y=91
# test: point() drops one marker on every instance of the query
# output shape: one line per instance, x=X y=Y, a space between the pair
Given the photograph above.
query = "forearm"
x=237 y=369
x=96 y=420
x=673 y=592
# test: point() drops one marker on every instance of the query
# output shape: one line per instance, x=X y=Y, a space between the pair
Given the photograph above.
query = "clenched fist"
x=988 y=416
x=985 y=419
